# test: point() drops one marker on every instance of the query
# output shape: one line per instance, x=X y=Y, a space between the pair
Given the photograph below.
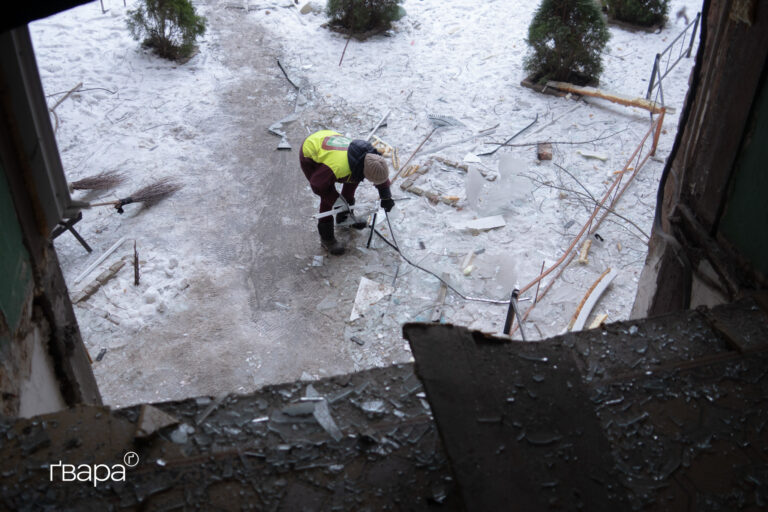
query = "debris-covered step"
x=365 y=441
x=665 y=413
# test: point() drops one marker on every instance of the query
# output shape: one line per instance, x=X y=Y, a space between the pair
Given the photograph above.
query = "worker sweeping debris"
x=327 y=158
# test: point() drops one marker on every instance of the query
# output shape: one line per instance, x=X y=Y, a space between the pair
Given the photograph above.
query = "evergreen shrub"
x=645 y=13
x=169 y=27
x=358 y=16
x=566 y=39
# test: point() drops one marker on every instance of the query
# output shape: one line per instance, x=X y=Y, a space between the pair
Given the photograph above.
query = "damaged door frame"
x=31 y=164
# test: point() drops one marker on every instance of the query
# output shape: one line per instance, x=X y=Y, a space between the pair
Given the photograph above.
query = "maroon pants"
x=323 y=183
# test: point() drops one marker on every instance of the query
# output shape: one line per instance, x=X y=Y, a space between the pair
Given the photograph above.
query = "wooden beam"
x=643 y=103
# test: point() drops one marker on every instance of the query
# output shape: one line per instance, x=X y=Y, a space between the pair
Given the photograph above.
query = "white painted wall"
x=39 y=390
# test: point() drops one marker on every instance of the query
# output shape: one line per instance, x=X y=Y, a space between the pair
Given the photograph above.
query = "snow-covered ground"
x=151 y=118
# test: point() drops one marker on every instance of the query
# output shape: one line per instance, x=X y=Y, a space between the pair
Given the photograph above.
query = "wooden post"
x=660 y=123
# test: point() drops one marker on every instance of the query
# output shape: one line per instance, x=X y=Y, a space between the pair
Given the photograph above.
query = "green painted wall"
x=15 y=267
x=745 y=220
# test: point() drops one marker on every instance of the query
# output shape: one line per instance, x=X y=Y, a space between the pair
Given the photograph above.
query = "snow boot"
x=356 y=223
x=328 y=240
x=359 y=223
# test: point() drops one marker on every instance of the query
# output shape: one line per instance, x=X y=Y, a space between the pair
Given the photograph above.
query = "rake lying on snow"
x=149 y=195
x=102 y=181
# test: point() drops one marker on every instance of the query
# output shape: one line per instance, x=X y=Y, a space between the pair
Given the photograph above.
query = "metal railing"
x=676 y=50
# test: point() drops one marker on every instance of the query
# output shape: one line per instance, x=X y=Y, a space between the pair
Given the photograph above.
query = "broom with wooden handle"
x=149 y=195
x=102 y=181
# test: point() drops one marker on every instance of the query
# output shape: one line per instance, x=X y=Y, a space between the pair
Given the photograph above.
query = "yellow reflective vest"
x=330 y=148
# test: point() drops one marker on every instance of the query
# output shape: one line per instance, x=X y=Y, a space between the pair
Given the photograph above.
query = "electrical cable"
x=396 y=247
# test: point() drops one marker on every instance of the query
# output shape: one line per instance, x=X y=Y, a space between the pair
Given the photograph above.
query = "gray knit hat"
x=375 y=168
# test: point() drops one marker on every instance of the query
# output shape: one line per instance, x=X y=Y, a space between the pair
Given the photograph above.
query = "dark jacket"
x=356 y=156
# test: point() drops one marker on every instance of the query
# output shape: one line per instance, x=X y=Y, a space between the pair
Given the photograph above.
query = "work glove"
x=387 y=204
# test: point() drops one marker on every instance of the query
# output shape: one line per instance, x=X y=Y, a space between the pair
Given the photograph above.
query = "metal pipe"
x=384 y=118
x=512 y=313
x=373 y=227
x=653 y=76
x=693 y=35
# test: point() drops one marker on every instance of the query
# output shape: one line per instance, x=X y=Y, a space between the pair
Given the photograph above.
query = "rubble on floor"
x=356 y=442
x=654 y=414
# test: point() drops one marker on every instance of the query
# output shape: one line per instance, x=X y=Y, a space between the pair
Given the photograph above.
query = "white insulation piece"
x=578 y=325
x=101 y=259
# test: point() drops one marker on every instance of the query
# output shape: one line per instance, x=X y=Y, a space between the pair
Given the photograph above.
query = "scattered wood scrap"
x=593 y=155
x=584 y=253
x=544 y=151
x=598 y=321
x=100 y=259
x=411 y=169
x=97 y=283
x=464 y=167
x=466 y=265
x=384 y=148
x=456 y=165
x=409 y=186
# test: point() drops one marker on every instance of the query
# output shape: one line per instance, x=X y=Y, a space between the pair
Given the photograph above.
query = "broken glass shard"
x=323 y=416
